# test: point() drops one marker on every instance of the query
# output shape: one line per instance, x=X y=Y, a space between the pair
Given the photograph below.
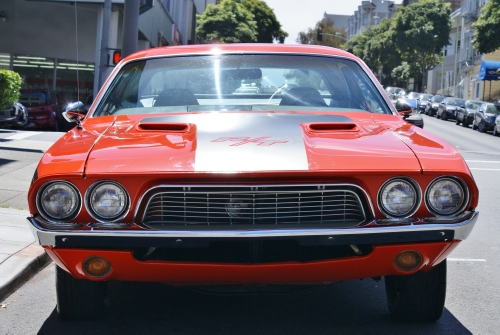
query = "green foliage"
x=326 y=26
x=487 y=28
x=239 y=21
x=10 y=84
x=422 y=30
x=268 y=26
x=401 y=72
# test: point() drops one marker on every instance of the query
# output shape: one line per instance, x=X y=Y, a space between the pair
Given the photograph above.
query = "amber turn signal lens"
x=408 y=260
x=96 y=266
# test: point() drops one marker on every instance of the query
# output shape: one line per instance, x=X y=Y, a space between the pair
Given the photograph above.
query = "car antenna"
x=78 y=123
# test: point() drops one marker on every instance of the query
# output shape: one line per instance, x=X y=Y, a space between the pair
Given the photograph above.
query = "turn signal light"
x=408 y=260
x=96 y=266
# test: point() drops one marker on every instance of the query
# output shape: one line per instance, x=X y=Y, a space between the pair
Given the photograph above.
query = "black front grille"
x=339 y=205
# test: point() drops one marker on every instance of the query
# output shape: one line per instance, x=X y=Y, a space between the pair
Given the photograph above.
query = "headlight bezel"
x=45 y=215
x=465 y=200
x=414 y=208
x=96 y=216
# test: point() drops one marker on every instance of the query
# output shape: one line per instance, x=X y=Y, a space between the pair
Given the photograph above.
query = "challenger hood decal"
x=245 y=142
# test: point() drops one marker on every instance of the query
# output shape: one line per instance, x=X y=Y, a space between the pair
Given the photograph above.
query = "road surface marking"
x=480 y=169
x=466 y=260
x=468 y=161
x=20 y=136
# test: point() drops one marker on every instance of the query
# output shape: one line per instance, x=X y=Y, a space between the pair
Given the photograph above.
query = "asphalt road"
x=354 y=307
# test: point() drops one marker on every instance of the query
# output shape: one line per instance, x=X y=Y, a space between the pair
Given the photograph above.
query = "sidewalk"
x=20 y=256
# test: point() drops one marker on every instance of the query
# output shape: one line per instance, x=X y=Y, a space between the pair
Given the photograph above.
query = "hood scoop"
x=171 y=127
x=331 y=127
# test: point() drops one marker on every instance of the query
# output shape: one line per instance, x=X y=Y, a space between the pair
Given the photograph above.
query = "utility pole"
x=130 y=27
x=103 y=66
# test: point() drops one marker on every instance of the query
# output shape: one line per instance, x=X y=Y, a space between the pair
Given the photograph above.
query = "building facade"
x=370 y=13
x=458 y=75
x=56 y=44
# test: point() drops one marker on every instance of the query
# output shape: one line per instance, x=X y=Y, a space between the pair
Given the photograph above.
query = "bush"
x=10 y=84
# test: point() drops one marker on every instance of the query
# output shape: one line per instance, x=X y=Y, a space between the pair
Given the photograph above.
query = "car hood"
x=253 y=142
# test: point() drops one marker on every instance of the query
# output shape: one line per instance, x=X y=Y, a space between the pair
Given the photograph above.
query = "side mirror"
x=74 y=112
x=403 y=108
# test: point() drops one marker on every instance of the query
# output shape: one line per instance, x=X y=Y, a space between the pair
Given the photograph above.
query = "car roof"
x=240 y=48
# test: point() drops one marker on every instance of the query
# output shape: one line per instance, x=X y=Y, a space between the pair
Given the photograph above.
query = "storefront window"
x=38 y=72
x=67 y=79
x=4 y=61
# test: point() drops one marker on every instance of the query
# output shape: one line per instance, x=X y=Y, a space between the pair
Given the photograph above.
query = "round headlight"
x=107 y=201
x=399 y=198
x=58 y=201
x=446 y=196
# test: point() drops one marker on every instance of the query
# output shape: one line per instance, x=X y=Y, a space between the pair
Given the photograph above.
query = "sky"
x=298 y=15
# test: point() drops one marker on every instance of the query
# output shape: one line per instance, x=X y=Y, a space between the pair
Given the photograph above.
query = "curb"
x=20 y=267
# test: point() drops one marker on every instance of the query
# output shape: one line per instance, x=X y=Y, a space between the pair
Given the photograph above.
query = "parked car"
x=485 y=116
x=44 y=108
x=448 y=108
x=422 y=101
x=167 y=179
x=411 y=114
x=15 y=115
x=395 y=92
x=413 y=95
x=465 y=116
x=433 y=104
x=496 y=128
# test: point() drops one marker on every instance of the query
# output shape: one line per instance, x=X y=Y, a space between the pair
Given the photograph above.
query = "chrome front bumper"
x=120 y=239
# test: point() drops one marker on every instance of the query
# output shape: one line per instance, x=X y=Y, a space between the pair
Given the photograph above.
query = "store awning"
x=489 y=70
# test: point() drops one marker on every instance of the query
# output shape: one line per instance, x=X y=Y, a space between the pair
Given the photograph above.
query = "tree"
x=268 y=26
x=487 y=28
x=422 y=30
x=234 y=21
x=227 y=22
x=10 y=84
x=325 y=26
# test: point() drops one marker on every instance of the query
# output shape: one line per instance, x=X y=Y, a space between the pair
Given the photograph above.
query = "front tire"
x=418 y=297
x=457 y=122
x=79 y=299
x=444 y=116
x=481 y=128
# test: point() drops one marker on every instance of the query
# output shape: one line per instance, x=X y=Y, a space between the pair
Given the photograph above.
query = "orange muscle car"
x=249 y=164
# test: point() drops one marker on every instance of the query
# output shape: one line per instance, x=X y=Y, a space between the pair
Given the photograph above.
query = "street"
x=354 y=307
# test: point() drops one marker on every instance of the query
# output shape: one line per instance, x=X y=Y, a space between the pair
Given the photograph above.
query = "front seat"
x=175 y=97
x=303 y=96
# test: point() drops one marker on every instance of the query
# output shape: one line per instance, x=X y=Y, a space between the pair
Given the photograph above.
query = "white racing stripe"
x=243 y=142
x=20 y=136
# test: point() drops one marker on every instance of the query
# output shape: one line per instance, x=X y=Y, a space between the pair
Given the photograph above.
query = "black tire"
x=444 y=116
x=457 y=122
x=437 y=115
x=418 y=297
x=480 y=127
x=474 y=127
x=79 y=299
x=465 y=124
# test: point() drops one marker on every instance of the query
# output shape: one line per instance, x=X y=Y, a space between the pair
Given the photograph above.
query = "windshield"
x=437 y=98
x=241 y=83
x=425 y=96
x=456 y=102
x=493 y=109
x=30 y=99
x=473 y=104
x=413 y=95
